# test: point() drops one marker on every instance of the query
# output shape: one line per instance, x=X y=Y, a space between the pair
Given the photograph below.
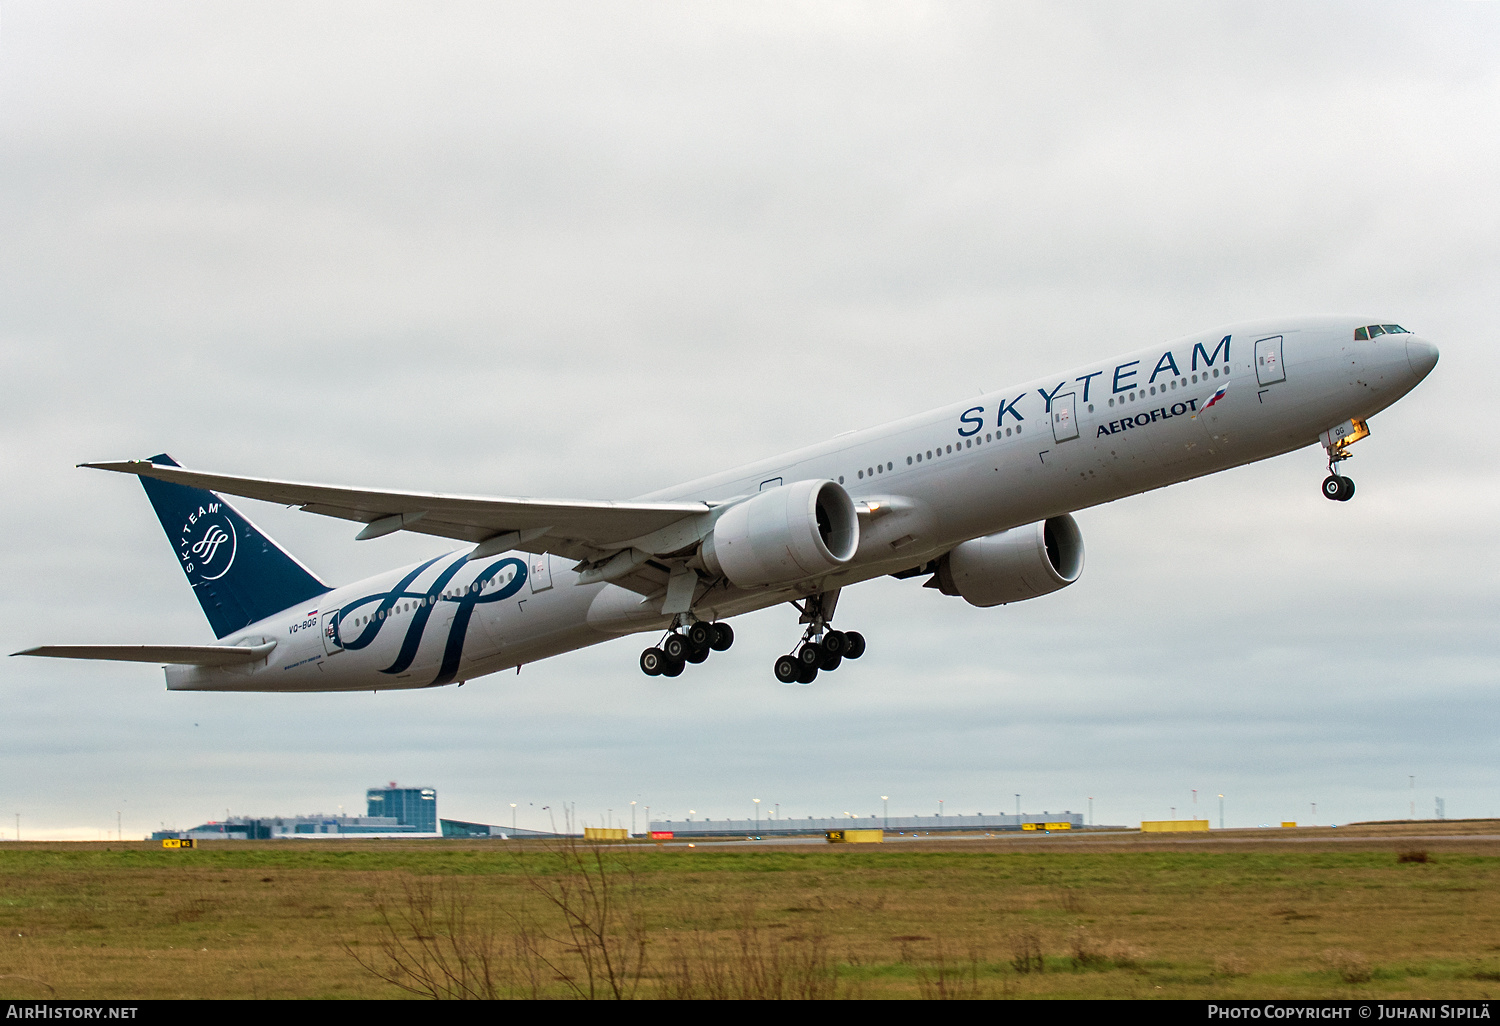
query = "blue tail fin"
x=239 y=575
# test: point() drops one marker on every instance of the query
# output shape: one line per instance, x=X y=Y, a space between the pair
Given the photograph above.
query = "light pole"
x=1315 y=813
x=1412 y=778
x=885 y=811
x=1195 y=803
x=512 y=818
x=757 y=814
x=1018 y=810
x=940 y=808
x=776 y=812
x=632 y=819
x=1221 y=812
x=1091 y=810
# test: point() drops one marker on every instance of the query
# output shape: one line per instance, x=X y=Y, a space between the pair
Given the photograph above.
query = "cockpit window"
x=1369 y=331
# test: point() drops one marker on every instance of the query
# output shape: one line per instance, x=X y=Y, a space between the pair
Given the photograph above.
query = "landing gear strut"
x=821 y=648
x=691 y=644
x=1335 y=486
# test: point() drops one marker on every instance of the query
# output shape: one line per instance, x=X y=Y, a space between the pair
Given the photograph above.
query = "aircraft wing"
x=191 y=655
x=578 y=528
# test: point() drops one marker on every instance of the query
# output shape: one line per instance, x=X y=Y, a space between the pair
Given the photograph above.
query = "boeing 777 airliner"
x=975 y=496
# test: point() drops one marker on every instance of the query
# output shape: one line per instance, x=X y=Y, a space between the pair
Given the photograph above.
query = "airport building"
x=892 y=824
x=392 y=812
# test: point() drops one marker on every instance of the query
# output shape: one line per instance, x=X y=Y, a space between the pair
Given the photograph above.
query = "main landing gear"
x=690 y=645
x=821 y=648
x=825 y=652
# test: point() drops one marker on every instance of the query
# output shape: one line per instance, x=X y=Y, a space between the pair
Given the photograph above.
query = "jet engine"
x=1018 y=564
x=784 y=535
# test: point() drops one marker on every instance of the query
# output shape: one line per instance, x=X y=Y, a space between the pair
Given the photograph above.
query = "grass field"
x=1303 y=913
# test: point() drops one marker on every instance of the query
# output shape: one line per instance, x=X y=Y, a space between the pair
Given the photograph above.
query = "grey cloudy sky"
x=592 y=249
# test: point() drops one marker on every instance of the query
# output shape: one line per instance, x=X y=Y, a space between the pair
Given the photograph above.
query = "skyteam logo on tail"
x=207 y=543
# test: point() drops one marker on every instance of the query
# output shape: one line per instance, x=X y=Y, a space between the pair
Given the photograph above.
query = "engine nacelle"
x=784 y=535
x=1013 y=565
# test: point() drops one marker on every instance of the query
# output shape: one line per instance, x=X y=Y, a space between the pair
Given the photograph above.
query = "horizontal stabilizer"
x=189 y=655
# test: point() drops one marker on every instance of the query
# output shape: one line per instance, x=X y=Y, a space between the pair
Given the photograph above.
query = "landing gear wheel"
x=675 y=647
x=723 y=637
x=652 y=662
x=1339 y=489
x=807 y=674
x=697 y=655
x=830 y=662
x=672 y=668
x=856 y=645
x=787 y=669
x=810 y=655
x=700 y=635
x=835 y=643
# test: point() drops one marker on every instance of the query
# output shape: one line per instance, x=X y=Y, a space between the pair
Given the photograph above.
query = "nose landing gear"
x=1336 y=442
x=1340 y=489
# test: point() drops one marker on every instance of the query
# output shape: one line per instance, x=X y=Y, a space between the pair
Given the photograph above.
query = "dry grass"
x=946 y=920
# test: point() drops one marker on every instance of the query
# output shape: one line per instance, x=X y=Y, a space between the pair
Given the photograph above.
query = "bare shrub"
x=592 y=888
x=753 y=964
x=947 y=981
x=1349 y=966
x=433 y=941
x=1026 y=953
x=1415 y=855
x=1087 y=952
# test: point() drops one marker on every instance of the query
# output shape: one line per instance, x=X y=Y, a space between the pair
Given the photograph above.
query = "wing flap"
x=188 y=655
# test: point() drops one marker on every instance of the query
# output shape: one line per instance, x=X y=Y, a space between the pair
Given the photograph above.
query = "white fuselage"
x=971 y=469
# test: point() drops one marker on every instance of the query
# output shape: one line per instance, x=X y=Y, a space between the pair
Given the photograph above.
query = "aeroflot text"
x=1145 y=419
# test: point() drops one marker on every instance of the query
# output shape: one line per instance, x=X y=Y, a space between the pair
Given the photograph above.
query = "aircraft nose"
x=1422 y=356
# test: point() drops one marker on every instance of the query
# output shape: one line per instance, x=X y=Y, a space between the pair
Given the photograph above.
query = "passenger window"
x=1195 y=379
x=950 y=448
x=880 y=470
x=861 y=475
x=890 y=466
x=929 y=454
x=1007 y=432
x=841 y=479
x=1111 y=402
x=968 y=443
x=908 y=461
x=987 y=436
x=1216 y=372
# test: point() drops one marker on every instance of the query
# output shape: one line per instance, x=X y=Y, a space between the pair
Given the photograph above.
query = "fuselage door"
x=540 y=572
x=332 y=644
x=1268 y=369
x=1064 y=417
